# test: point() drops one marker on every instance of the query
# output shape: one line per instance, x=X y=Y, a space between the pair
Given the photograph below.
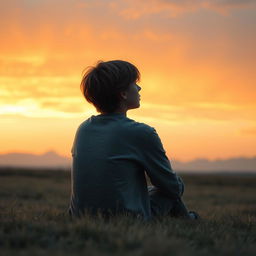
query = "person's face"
x=132 y=96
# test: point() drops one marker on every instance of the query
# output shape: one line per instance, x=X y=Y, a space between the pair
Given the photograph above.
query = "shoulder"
x=146 y=133
x=140 y=126
x=124 y=125
x=141 y=131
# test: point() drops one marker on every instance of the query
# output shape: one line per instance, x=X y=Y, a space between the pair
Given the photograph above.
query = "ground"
x=34 y=220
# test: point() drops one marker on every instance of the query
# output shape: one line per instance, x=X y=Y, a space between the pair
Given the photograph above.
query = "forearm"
x=181 y=185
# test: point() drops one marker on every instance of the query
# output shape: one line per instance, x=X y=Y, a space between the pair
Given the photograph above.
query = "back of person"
x=107 y=170
x=112 y=152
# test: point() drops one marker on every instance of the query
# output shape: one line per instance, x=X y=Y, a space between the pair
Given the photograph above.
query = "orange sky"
x=197 y=60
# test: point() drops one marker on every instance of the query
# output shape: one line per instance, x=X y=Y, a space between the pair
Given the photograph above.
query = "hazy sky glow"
x=197 y=60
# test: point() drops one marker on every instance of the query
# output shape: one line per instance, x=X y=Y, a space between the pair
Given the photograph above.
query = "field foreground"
x=34 y=220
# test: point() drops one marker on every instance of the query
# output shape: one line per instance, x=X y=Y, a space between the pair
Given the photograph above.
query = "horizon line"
x=170 y=158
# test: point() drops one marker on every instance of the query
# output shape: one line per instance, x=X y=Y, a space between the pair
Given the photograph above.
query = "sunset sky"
x=196 y=58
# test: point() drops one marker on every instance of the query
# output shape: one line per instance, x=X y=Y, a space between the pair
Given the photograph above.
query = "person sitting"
x=112 y=154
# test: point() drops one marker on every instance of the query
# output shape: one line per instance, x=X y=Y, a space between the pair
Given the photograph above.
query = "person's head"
x=111 y=85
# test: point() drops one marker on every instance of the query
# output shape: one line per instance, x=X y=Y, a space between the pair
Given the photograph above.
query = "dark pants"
x=162 y=205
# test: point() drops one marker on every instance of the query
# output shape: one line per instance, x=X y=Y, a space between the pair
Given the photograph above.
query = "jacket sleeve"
x=158 y=166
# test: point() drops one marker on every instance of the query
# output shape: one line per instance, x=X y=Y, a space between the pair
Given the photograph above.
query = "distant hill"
x=47 y=160
x=243 y=164
x=52 y=160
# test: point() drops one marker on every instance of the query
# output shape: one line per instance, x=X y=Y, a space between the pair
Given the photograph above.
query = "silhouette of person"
x=111 y=153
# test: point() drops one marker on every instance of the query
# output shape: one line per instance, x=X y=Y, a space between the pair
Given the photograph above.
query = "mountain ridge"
x=51 y=159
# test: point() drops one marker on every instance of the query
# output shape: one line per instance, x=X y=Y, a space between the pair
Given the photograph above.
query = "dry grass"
x=34 y=221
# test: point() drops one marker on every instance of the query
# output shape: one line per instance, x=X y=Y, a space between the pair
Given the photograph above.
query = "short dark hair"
x=101 y=84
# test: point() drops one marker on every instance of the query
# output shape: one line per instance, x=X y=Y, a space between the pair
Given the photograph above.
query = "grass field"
x=34 y=221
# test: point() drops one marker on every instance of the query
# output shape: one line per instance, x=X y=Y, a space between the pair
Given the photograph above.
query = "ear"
x=123 y=95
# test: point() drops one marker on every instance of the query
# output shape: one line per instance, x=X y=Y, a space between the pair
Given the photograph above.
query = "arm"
x=158 y=166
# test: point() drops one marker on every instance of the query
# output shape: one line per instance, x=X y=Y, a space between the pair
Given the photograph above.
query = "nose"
x=139 y=88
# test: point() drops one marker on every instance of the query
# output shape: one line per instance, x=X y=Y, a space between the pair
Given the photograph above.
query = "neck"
x=120 y=110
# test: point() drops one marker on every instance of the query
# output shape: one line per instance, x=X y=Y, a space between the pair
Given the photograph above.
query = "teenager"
x=111 y=153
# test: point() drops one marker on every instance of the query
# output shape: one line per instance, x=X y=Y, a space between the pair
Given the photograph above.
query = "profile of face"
x=131 y=96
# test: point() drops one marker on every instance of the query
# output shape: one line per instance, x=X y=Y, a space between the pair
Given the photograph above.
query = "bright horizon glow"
x=197 y=64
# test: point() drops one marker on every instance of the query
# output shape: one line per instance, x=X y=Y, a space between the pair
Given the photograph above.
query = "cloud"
x=190 y=60
x=67 y=105
x=46 y=108
x=197 y=60
x=72 y=107
x=132 y=9
x=224 y=6
x=249 y=131
x=14 y=88
x=197 y=111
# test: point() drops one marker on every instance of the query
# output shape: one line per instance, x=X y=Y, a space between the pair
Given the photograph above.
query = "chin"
x=135 y=106
x=138 y=105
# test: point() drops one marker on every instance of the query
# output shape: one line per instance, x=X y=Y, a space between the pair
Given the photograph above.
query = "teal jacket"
x=110 y=156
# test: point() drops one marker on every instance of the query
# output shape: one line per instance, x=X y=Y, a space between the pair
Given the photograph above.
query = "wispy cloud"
x=197 y=111
x=132 y=9
x=196 y=57
x=249 y=131
x=50 y=108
